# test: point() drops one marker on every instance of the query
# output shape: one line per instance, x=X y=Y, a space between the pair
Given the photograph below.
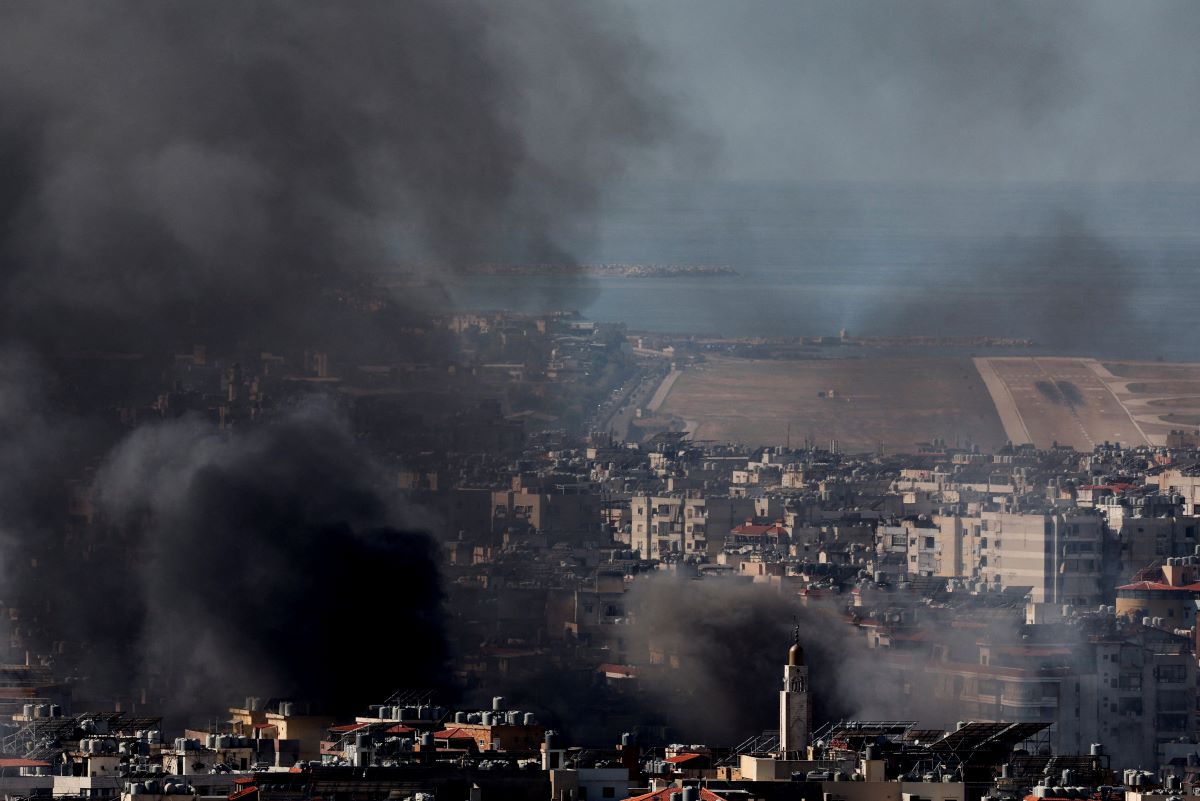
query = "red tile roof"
x=681 y=758
x=399 y=728
x=21 y=762
x=628 y=671
x=666 y=795
x=349 y=727
x=454 y=734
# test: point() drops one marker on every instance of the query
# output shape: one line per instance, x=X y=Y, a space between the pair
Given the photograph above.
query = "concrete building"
x=1056 y=554
x=660 y=525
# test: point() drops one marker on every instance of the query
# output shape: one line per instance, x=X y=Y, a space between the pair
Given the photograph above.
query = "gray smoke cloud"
x=1008 y=114
x=730 y=640
x=219 y=168
x=934 y=91
x=235 y=176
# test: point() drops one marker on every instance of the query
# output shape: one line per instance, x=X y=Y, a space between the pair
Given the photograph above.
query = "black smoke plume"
x=269 y=562
x=216 y=174
x=236 y=176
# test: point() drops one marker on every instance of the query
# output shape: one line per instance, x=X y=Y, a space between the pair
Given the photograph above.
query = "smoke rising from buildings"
x=725 y=644
x=269 y=562
x=182 y=173
x=181 y=168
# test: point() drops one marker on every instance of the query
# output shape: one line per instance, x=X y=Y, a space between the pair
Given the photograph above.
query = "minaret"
x=795 y=712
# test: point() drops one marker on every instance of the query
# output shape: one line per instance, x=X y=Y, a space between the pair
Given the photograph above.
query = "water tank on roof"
x=427 y=740
x=210 y=742
x=460 y=717
x=1096 y=749
x=488 y=719
x=27 y=710
x=514 y=718
x=691 y=794
x=497 y=703
x=55 y=711
x=405 y=713
x=530 y=719
x=1147 y=622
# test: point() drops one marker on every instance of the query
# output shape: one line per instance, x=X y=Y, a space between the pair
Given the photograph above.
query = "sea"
x=1103 y=270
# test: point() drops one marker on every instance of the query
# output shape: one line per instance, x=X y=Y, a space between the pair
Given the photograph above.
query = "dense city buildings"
x=632 y=613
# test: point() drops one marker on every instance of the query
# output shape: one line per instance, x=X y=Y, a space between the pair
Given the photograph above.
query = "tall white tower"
x=795 y=711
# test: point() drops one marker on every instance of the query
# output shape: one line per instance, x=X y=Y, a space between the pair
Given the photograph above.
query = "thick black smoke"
x=215 y=174
x=235 y=176
x=269 y=563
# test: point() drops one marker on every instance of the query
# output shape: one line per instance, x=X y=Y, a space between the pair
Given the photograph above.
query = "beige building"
x=662 y=525
x=1057 y=554
x=566 y=511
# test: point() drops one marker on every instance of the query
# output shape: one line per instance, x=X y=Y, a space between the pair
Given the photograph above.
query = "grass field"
x=863 y=403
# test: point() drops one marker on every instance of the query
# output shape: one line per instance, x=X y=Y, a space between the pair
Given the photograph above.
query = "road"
x=617 y=413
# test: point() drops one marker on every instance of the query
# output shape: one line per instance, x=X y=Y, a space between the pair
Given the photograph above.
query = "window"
x=1171 y=674
x=1171 y=722
x=582 y=794
x=608 y=792
x=929 y=542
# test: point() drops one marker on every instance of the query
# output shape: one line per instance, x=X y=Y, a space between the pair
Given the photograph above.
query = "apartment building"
x=663 y=525
x=1056 y=554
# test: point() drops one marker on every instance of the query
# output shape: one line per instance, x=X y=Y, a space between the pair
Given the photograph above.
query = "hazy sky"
x=936 y=89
